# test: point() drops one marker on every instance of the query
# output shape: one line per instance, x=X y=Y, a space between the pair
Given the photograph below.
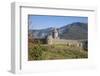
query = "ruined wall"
x=76 y=43
x=67 y=42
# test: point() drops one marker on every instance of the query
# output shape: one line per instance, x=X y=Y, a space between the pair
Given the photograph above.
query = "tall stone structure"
x=52 y=36
x=55 y=34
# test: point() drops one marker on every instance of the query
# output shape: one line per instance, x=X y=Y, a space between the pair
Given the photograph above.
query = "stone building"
x=55 y=34
x=54 y=38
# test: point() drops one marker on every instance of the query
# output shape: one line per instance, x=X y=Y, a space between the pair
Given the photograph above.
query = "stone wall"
x=67 y=42
x=76 y=43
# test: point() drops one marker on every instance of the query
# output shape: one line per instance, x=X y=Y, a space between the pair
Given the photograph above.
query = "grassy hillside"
x=50 y=52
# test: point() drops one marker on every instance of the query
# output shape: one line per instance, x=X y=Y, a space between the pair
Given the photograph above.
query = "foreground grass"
x=50 y=52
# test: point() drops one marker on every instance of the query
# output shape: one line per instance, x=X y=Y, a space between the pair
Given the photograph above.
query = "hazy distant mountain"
x=42 y=33
x=75 y=30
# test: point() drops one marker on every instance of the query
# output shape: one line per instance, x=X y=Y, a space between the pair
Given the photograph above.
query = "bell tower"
x=55 y=34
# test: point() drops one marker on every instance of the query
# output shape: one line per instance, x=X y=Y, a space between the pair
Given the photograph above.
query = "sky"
x=44 y=21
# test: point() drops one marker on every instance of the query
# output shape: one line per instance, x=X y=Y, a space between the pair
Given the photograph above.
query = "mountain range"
x=75 y=31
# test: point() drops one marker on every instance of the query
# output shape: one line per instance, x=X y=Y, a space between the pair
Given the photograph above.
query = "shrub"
x=36 y=52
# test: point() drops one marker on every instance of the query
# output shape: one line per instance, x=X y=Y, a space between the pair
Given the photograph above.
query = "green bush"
x=36 y=52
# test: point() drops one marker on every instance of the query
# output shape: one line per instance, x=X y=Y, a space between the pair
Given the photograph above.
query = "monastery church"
x=54 y=38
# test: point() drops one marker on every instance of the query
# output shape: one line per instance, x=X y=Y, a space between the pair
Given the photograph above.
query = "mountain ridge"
x=76 y=30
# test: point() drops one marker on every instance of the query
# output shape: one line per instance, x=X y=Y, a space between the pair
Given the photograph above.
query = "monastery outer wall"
x=67 y=42
x=77 y=43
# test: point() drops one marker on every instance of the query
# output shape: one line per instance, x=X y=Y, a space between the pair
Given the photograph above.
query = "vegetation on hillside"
x=49 y=52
